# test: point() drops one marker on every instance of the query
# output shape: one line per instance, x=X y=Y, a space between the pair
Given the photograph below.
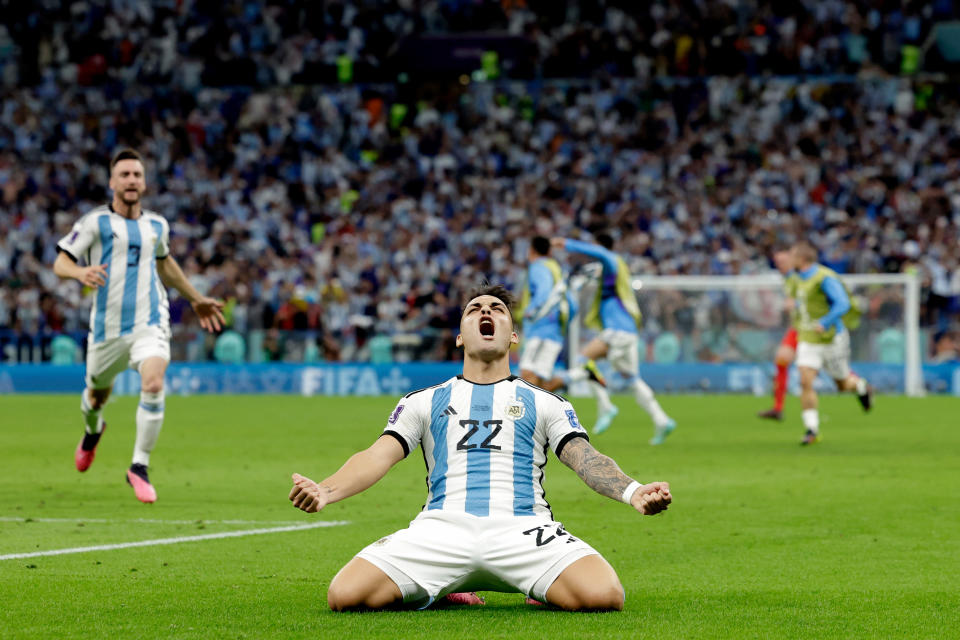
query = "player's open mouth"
x=487 y=327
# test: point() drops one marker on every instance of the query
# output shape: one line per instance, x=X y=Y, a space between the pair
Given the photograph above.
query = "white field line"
x=146 y=521
x=177 y=540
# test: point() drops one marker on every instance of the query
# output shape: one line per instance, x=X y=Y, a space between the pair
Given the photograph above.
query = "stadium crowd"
x=357 y=211
x=280 y=42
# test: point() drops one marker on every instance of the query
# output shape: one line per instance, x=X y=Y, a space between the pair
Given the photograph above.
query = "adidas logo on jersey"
x=449 y=411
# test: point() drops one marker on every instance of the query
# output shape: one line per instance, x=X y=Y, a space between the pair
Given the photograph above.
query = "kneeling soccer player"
x=485 y=524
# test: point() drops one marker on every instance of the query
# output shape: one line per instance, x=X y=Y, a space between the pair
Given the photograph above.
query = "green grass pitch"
x=858 y=536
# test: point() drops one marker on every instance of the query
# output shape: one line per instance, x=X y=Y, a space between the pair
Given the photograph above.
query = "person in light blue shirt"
x=545 y=309
x=615 y=314
x=825 y=312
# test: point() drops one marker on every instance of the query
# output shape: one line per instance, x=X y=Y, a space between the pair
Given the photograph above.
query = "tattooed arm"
x=603 y=475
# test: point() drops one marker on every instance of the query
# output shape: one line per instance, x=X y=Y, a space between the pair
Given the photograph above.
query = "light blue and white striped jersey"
x=485 y=445
x=133 y=297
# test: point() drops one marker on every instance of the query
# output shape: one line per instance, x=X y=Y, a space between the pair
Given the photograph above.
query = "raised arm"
x=357 y=474
x=605 y=256
x=207 y=309
x=603 y=475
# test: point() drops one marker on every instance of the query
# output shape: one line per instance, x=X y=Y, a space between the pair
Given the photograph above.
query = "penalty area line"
x=177 y=540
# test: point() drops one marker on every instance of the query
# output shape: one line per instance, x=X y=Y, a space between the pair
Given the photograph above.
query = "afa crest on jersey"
x=515 y=410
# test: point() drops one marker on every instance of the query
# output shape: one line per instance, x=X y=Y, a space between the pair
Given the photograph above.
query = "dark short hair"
x=125 y=154
x=605 y=240
x=490 y=289
x=540 y=245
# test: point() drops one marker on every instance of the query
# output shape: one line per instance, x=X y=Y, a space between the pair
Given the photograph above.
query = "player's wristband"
x=629 y=491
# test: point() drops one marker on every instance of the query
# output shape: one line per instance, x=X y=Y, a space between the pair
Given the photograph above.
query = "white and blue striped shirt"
x=485 y=445
x=133 y=297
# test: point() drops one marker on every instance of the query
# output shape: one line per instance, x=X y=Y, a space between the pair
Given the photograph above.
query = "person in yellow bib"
x=615 y=314
x=823 y=311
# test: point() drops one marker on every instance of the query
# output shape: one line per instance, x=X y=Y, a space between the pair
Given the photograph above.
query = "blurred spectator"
x=356 y=211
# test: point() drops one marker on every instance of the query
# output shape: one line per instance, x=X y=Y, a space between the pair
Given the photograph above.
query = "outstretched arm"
x=605 y=256
x=603 y=475
x=357 y=474
x=207 y=309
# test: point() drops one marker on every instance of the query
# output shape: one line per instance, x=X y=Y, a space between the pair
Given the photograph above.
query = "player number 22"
x=472 y=427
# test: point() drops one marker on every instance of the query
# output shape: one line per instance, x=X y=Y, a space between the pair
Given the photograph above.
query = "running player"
x=485 y=524
x=127 y=253
x=616 y=315
x=823 y=306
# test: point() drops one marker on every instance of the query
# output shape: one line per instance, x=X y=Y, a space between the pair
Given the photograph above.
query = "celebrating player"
x=485 y=524
x=787 y=350
x=823 y=305
x=616 y=315
x=126 y=249
x=545 y=309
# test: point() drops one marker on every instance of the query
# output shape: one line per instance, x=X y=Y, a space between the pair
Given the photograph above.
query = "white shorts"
x=540 y=356
x=622 y=351
x=107 y=359
x=833 y=358
x=447 y=552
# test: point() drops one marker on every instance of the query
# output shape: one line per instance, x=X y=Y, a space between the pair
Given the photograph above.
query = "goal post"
x=740 y=319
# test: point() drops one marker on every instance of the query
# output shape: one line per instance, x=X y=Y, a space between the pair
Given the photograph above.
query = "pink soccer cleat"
x=465 y=597
x=87 y=449
x=534 y=603
x=137 y=478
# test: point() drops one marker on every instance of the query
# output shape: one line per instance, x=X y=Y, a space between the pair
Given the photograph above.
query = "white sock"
x=603 y=398
x=577 y=374
x=149 y=421
x=811 y=420
x=645 y=398
x=92 y=418
x=861 y=386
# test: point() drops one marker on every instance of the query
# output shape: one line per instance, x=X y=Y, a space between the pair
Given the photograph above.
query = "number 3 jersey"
x=485 y=445
x=133 y=297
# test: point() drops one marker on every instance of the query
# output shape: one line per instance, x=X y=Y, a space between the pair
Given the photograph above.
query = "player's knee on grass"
x=361 y=585
x=589 y=584
x=345 y=597
x=605 y=597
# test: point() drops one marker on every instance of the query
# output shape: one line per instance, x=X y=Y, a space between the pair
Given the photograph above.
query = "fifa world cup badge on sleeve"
x=396 y=414
x=572 y=417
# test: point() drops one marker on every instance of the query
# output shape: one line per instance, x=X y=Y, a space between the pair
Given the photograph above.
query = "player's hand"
x=651 y=499
x=558 y=243
x=208 y=311
x=93 y=276
x=307 y=495
x=819 y=328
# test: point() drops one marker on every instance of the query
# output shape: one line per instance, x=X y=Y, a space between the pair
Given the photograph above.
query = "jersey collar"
x=483 y=384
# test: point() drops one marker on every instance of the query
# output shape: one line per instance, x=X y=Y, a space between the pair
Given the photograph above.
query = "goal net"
x=720 y=333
